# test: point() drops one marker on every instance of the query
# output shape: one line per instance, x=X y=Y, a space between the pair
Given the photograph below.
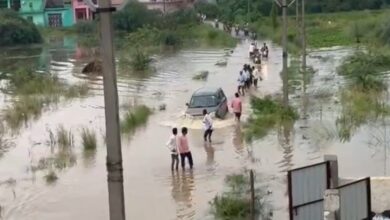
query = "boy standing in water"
x=172 y=146
x=184 y=149
x=237 y=106
x=208 y=126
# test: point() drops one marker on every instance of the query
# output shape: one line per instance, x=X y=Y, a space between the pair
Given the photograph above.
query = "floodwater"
x=152 y=191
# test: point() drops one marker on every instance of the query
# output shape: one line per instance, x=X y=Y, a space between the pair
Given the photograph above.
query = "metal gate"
x=306 y=187
x=355 y=200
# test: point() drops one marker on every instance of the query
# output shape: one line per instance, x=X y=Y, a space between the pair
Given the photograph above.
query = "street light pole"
x=111 y=106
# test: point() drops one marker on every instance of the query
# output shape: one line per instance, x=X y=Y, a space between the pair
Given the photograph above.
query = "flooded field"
x=152 y=191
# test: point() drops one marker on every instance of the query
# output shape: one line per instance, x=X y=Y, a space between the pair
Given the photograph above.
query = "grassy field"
x=330 y=29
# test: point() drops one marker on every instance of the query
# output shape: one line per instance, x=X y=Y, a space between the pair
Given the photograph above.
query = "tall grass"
x=135 y=117
x=65 y=138
x=35 y=91
x=88 y=139
x=267 y=114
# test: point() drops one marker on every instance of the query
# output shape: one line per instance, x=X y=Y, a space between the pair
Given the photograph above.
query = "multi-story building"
x=51 y=13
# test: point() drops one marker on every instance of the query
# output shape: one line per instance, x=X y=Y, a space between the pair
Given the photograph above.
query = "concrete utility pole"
x=284 y=7
x=285 y=54
x=303 y=37
x=114 y=150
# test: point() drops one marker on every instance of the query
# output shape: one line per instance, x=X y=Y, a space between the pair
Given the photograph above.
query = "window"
x=55 y=20
x=203 y=101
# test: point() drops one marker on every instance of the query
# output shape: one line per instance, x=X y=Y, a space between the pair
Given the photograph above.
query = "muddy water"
x=152 y=191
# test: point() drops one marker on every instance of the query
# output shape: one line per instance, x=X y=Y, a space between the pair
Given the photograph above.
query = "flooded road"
x=152 y=191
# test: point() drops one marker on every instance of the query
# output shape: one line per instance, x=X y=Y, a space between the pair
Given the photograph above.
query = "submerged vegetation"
x=135 y=117
x=366 y=70
x=88 y=139
x=267 y=114
x=359 y=107
x=51 y=177
x=235 y=202
x=34 y=92
x=364 y=98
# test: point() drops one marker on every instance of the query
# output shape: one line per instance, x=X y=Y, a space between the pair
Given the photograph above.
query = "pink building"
x=82 y=11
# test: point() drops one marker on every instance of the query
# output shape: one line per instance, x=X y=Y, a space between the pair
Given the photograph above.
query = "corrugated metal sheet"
x=308 y=184
x=314 y=211
x=354 y=201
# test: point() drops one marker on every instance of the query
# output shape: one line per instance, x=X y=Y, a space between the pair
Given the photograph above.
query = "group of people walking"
x=179 y=145
x=249 y=75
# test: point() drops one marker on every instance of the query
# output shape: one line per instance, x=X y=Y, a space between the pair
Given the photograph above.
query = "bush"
x=133 y=16
x=169 y=38
x=140 y=60
x=365 y=69
x=85 y=27
x=16 y=30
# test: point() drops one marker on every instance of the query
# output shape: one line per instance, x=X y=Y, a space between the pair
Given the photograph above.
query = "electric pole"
x=285 y=54
x=284 y=7
x=303 y=37
x=111 y=107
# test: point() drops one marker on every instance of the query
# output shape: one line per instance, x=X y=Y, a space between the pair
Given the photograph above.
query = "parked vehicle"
x=212 y=99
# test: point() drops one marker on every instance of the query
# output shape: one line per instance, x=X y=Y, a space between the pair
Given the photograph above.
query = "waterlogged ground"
x=152 y=191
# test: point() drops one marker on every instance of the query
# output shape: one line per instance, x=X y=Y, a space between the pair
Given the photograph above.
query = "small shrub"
x=235 y=202
x=140 y=60
x=88 y=139
x=85 y=27
x=51 y=177
x=212 y=34
x=135 y=118
x=365 y=69
x=170 y=39
x=201 y=75
x=77 y=90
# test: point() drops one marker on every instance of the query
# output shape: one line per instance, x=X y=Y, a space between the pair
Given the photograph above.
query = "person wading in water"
x=208 y=126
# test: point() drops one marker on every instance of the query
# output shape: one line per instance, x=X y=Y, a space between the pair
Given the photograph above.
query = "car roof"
x=206 y=91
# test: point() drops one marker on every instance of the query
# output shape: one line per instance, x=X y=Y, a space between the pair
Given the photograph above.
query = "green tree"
x=16 y=30
x=274 y=15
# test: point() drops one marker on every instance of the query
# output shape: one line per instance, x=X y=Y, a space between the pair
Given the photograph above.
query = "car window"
x=203 y=101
